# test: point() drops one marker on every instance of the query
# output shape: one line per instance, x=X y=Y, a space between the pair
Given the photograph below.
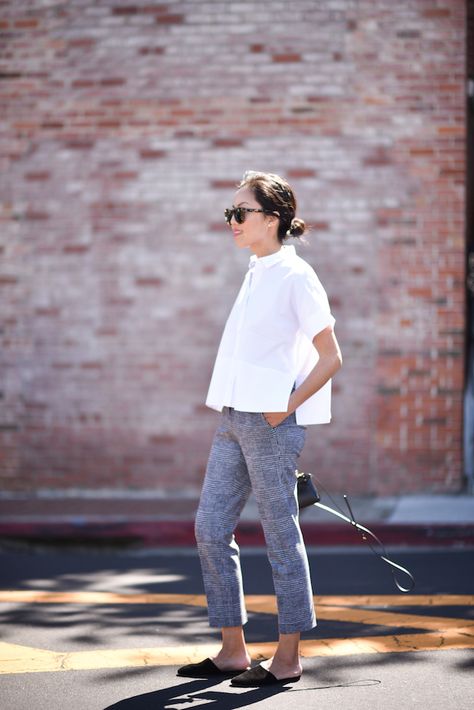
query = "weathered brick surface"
x=125 y=127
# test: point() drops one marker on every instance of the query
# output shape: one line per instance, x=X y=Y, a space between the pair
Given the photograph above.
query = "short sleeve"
x=311 y=304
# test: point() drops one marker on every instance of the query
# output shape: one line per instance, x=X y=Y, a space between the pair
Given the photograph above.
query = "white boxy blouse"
x=267 y=344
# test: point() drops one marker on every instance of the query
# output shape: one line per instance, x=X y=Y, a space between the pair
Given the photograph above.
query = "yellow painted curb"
x=441 y=633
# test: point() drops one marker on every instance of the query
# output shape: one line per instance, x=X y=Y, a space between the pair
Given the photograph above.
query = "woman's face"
x=258 y=230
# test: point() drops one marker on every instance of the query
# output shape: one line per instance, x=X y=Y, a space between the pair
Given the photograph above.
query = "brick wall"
x=126 y=127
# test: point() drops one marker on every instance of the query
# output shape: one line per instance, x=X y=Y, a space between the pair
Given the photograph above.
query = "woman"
x=271 y=378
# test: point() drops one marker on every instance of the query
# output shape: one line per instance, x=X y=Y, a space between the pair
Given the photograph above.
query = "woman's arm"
x=330 y=360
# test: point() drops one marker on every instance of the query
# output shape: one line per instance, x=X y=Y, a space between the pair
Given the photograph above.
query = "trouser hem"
x=297 y=629
x=215 y=624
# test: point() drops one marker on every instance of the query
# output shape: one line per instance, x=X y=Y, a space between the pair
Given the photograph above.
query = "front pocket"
x=272 y=428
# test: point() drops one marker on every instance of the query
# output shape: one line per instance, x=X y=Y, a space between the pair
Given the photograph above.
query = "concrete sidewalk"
x=151 y=519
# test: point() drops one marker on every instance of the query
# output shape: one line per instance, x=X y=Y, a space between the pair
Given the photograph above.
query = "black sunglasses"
x=239 y=213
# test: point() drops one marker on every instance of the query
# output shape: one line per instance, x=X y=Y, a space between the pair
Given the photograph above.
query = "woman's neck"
x=265 y=250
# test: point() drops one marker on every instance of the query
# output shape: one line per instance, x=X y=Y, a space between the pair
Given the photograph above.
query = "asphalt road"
x=96 y=629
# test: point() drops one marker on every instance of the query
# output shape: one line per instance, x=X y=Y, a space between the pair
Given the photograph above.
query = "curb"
x=180 y=533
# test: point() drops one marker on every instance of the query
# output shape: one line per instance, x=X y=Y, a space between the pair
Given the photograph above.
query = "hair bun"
x=297 y=227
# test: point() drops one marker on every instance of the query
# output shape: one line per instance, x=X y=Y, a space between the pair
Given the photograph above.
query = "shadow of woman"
x=173 y=697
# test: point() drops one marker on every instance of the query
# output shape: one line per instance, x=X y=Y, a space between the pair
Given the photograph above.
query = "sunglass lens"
x=237 y=212
x=239 y=215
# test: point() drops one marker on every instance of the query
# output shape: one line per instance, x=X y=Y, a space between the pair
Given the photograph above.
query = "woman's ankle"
x=233 y=660
x=283 y=668
x=287 y=655
x=234 y=650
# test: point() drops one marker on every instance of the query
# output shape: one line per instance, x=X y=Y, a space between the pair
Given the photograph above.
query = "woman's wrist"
x=292 y=404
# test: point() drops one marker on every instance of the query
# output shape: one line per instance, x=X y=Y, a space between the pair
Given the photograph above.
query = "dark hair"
x=274 y=194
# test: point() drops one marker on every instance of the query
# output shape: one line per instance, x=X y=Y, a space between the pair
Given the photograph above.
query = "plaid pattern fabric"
x=248 y=454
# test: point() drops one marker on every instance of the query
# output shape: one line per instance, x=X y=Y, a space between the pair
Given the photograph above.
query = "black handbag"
x=308 y=495
x=306 y=490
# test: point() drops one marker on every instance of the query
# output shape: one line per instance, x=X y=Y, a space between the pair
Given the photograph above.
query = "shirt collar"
x=285 y=252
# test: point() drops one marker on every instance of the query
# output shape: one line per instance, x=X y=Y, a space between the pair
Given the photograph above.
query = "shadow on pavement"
x=467 y=665
x=199 y=690
x=193 y=691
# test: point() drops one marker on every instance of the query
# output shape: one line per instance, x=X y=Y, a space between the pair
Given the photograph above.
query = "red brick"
x=86 y=42
x=154 y=281
x=227 y=143
x=125 y=10
x=151 y=154
x=408 y=34
x=36 y=215
x=55 y=125
x=223 y=184
x=112 y=81
x=83 y=83
x=175 y=19
x=41 y=175
x=51 y=312
x=161 y=439
x=151 y=50
x=458 y=130
x=125 y=175
x=155 y=9
x=7 y=280
x=76 y=248
x=79 y=144
x=378 y=158
x=108 y=124
x=301 y=173
x=436 y=12
x=26 y=24
x=287 y=57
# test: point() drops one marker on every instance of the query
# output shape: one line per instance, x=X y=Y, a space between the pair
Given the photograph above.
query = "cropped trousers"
x=247 y=454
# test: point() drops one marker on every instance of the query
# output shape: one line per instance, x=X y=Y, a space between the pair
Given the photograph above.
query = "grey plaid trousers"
x=248 y=454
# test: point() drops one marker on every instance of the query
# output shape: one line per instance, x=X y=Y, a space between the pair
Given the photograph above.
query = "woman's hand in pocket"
x=275 y=418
